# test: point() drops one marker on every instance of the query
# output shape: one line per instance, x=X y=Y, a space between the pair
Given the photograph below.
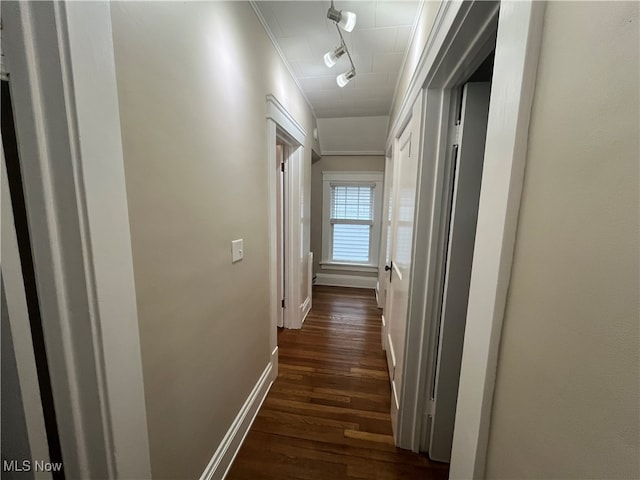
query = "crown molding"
x=277 y=47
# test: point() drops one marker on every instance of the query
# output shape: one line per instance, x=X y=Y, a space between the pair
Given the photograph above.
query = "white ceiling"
x=377 y=45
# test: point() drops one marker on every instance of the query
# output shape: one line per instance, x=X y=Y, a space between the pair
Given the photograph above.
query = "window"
x=351 y=219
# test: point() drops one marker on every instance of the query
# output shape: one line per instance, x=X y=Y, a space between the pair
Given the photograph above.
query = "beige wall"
x=566 y=400
x=347 y=163
x=363 y=135
x=192 y=80
x=421 y=35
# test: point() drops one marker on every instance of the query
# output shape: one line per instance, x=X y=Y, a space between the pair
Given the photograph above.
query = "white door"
x=405 y=173
x=462 y=231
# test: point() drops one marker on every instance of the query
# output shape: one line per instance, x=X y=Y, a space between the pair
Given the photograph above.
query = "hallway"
x=327 y=413
x=181 y=178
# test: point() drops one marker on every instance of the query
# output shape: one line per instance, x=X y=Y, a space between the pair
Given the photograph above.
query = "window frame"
x=374 y=179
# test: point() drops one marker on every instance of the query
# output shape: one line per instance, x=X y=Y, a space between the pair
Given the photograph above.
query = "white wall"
x=192 y=83
x=421 y=33
x=566 y=402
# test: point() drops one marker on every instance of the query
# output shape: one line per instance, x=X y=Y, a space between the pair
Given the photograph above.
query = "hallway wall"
x=424 y=26
x=192 y=80
x=567 y=390
x=352 y=135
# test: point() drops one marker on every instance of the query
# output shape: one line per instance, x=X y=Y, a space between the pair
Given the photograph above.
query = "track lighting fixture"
x=330 y=58
x=344 y=19
x=344 y=78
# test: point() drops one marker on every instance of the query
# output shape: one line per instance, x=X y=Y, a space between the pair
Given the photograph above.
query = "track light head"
x=330 y=58
x=344 y=78
x=344 y=19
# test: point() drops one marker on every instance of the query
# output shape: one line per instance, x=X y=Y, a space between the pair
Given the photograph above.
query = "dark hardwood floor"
x=327 y=414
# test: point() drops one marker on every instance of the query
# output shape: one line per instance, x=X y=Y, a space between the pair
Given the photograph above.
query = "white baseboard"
x=355 y=281
x=305 y=308
x=223 y=457
x=274 y=363
x=393 y=354
x=391 y=358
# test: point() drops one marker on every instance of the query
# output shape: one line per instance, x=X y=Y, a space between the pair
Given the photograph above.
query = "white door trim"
x=66 y=113
x=283 y=126
x=286 y=121
x=516 y=63
x=382 y=284
x=463 y=33
x=462 y=37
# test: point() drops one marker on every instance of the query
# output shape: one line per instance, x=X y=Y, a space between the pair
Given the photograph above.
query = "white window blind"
x=351 y=220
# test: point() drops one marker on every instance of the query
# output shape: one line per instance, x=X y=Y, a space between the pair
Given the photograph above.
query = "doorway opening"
x=445 y=196
x=282 y=221
x=288 y=161
x=433 y=110
x=460 y=202
x=285 y=156
x=472 y=30
x=27 y=396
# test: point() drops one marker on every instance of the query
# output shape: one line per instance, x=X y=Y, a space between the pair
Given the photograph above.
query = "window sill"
x=353 y=267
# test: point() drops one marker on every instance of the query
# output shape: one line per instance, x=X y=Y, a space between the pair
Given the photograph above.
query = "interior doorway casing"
x=68 y=130
x=283 y=129
x=281 y=196
x=464 y=33
x=381 y=290
x=25 y=431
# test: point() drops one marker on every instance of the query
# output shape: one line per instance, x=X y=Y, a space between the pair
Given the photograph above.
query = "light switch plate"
x=237 y=250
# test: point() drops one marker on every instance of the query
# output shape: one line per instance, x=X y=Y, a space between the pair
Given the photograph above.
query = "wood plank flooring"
x=327 y=414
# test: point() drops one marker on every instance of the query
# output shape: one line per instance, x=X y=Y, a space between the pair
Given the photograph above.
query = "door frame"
x=383 y=281
x=448 y=335
x=65 y=100
x=463 y=34
x=381 y=287
x=20 y=328
x=281 y=215
x=282 y=127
